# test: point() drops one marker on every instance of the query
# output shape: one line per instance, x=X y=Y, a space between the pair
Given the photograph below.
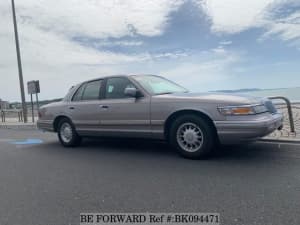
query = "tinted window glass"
x=116 y=86
x=92 y=90
x=78 y=94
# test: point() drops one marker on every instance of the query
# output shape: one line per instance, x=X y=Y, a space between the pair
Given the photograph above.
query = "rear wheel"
x=192 y=136
x=67 y=134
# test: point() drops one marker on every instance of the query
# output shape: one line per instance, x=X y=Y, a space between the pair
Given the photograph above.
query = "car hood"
x=213 y=97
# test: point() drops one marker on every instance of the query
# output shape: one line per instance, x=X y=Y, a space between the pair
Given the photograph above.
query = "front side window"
x=158 y=85
x=92 y=90
x=115 y=87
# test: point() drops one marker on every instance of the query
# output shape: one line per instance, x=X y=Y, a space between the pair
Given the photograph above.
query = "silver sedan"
x=149 y=106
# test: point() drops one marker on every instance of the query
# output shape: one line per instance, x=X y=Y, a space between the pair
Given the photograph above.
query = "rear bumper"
x=231 y=132
x=45 y=125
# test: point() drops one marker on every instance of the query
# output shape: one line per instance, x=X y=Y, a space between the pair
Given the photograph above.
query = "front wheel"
x=67 y=134
x=192 y=136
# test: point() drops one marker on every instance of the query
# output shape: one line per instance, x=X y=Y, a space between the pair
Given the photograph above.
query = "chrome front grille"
x=270 y=106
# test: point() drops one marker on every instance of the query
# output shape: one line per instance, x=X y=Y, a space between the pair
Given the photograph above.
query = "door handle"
x=103 y=106
x=71 y=107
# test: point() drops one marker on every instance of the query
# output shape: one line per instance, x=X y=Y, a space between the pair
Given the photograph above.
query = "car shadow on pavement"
x=141 y=147
x=128 y=145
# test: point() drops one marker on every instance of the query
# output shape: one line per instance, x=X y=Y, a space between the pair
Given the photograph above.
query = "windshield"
x=158 y=85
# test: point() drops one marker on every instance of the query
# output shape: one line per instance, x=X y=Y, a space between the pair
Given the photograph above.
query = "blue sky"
x=203 y=45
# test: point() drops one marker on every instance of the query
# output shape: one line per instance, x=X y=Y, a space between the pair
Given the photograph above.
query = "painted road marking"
x=27 y=142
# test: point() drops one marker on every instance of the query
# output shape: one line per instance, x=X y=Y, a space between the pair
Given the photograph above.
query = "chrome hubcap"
x=66 y=132
x=190 y=137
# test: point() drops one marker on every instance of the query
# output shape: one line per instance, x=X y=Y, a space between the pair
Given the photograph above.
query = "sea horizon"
x=292 y=93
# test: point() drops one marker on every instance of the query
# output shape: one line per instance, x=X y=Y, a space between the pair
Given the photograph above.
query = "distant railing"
x=11 y=111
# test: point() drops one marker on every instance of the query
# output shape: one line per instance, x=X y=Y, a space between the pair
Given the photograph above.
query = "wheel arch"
x=182 y=112
x=57 y=119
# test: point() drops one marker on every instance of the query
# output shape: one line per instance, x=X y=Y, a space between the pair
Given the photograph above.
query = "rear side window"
x=88 y=91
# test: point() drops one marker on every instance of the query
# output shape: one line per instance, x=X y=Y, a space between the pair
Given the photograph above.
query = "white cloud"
x=225 y=43
x=53 y=60
x=50 y=54
x=47 y=30
x=287 y=28
x=219 y=50
x=127 y=43
x=99 y=18
x=172 y=55
x=234 y=16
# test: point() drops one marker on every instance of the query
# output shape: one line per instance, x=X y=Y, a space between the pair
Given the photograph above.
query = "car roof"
x=118 y=75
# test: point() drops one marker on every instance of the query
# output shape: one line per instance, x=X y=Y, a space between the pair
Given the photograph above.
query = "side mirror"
x=131 y=92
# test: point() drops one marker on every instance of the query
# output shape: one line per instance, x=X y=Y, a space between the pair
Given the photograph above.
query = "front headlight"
x=242 y=110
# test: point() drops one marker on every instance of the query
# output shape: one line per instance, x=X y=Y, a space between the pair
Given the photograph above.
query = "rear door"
x=122 y=115
x=84 y=107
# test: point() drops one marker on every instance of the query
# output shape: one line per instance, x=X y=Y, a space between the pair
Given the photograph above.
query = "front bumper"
x=235 y=131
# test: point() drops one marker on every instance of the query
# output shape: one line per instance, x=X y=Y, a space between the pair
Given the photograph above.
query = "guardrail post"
x=3 y=116
x=289 y=108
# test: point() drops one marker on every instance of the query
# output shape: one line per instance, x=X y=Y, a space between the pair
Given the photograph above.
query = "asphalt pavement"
x=42 y=183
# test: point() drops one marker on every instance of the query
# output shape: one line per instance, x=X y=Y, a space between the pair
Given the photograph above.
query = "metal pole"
x=32 y=113
x=289 y=108
x=24 y=107
x=37 y=101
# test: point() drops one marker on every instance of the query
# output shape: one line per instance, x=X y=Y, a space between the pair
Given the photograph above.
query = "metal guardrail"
x=289 y=108
x=291 y=119
x=4 y=112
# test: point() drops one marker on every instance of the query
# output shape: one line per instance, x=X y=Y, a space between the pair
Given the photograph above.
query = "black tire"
x=74 y=138
x=208 y=140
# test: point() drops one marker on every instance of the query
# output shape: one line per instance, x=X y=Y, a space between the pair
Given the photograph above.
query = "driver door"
x=122 y=115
